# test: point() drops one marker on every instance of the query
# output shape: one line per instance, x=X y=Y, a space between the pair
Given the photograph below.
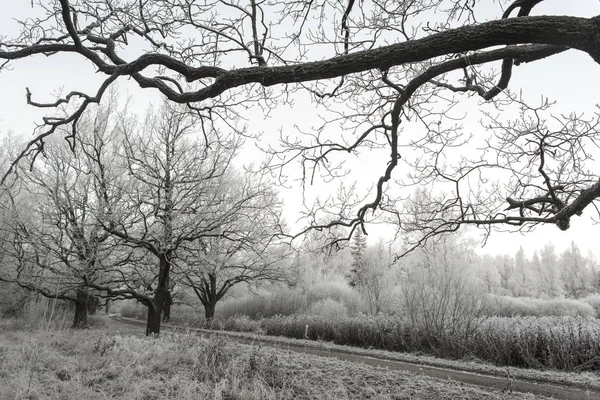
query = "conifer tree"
x=358 y=247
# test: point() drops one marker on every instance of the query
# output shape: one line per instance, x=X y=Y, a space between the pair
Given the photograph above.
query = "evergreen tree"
x=358 y=248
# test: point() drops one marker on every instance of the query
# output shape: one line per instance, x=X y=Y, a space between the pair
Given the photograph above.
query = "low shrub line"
x=507 y=306
x=560 y=343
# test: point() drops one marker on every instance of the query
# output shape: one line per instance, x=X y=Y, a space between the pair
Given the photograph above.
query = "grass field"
x=110 y=363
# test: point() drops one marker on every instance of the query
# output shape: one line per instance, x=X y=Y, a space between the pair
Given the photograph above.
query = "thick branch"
x=576 y=207
x=122 y=292
x=578 y=33
x=524 y=54
x=42 y=291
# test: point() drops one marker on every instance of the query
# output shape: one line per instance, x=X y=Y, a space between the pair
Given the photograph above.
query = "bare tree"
x=440 y=295
x=536 y=169
x=376 y=281
x=340 y=54
x=252 y=256
x=55 y=244
x=176 y=194
x=247 y=250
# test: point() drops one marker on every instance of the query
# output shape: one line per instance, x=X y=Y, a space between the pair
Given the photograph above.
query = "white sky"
x=568 y=78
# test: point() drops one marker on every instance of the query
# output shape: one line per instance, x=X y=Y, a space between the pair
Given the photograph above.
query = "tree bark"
x=81 y=309
x=160 y=295
x=154 y=313
x=209 y=311
x=92 y=305
x=167 y=307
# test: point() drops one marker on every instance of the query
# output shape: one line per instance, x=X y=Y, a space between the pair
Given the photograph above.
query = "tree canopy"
x=384 y=74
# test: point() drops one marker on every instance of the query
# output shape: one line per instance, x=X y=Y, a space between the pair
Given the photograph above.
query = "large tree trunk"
x=155 y=313
x=209 y=311
x=160 y=295
x=92 y=304
x=153 y=321
x=167 y=307
x=81 y=309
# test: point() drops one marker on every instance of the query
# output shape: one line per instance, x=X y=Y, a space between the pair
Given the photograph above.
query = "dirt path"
x=548 y=390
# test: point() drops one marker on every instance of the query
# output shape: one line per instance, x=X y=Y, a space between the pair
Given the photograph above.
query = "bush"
x=185 y=315
x=292 y=301
x=563 y=343
x=506 y=306
x=594 y=301
x=361 y=331
x=328 y=308
x=280 y=302
x=42 y=314
x=240 y=323
x=96 y=322
x=338 y=291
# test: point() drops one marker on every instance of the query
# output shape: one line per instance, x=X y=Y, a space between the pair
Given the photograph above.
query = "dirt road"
x=543 y=389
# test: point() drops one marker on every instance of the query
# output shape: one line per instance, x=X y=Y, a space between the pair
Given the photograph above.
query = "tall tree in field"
x=377 y=278
x=57 y=247
x=384 y=83
x=176 y=194
x=244 y=248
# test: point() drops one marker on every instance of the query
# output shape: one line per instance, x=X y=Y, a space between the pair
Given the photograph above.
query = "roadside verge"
x=507 y=383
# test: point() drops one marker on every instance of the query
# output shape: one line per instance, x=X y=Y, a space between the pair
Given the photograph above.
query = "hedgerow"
x=561 y=343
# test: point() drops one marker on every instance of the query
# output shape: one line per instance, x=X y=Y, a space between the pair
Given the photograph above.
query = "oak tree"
x=375 y=70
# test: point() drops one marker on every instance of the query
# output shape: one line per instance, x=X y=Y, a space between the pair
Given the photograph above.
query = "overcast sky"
x=569 y=78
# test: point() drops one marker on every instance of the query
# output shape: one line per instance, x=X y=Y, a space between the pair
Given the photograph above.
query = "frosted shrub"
x=45 y=314
x=441 y=297
x=594 y=301
x=440 y=302
x=292 y=301
x=338 y=291
x=328 y=308
x=564 y=343
x=13 y=300
x=381 y=332
x=241 y=323
x=185 y=315
x=507 y=306
x=280 y=302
